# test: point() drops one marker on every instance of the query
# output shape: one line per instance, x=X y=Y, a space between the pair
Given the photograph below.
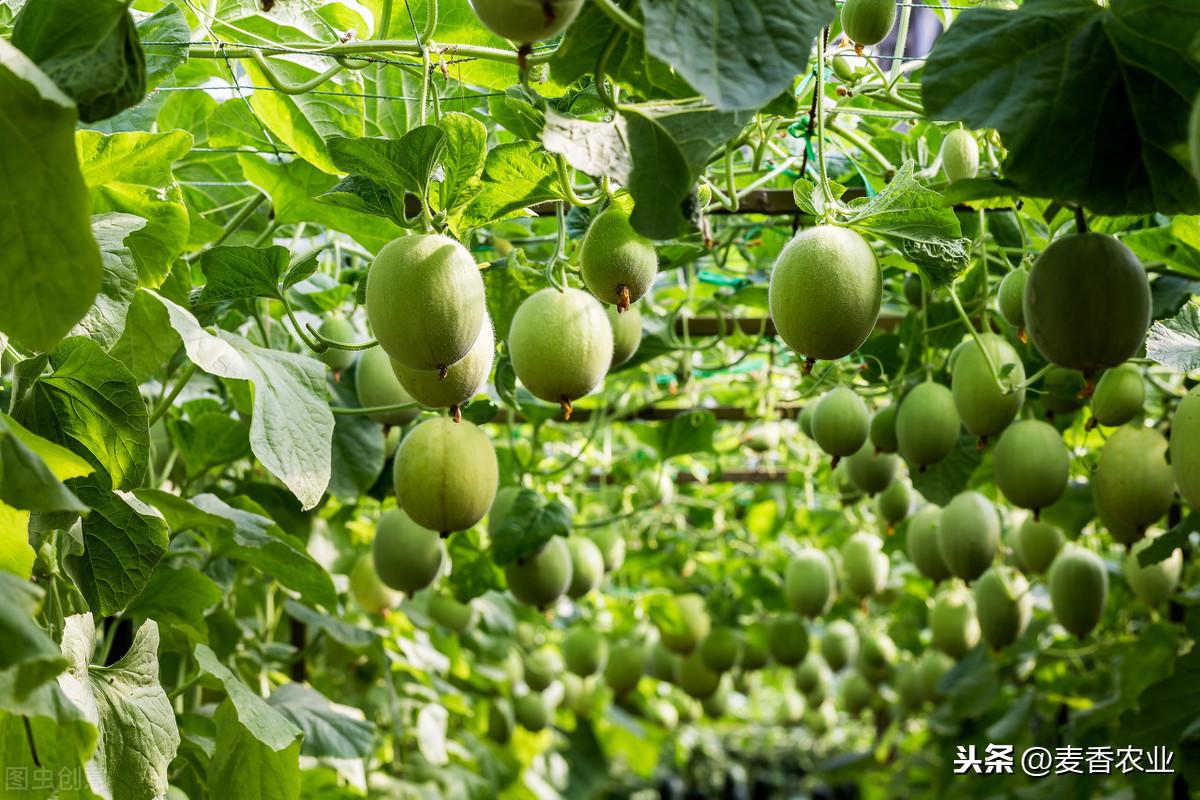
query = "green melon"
x=1004 y=605
x=1061 y=391
x=841 y=422
x=953 y=623
x=864 y=565
x=446 y=474
x=805 y=419
x=764 y=438
x=716 y=704
x=532 y=711
x=1155 y=583
x=894 y=502
x=584 y=650
x=914 y=290
x=371 y=594
x=462 y=380
x=985 y=406
x=960 y=155
x=1040 y=542
x=868 y=22
x=755 y=650
x=855 y=694
x=927 y=424
x=1010 y=297
x=825 y=292
x=811 y=675
x=425 y=301
x=870 y=471
x=627 y=334
x=623 y=672
x=1087 y=302
x=787 y=639
x=617 y=263
x=1078 y=583
x=337 y=329
x=561 y=344
x=446 y=611
x=883 y=429
x=809 y=584
x=1134 y=483
x=1185 y=447
x=526 y=21
x=407 y=556
x=541 y=579
x=876 y=655
x=500 y=721
x=1119 y=397
x=376 y=385
x=684 y=624
x=839 y=644
x=662 y=664
x=969 y=535
x=611 y=542
x=1121 y=532
x=541 y=668
x=721 y=650
x=695 y=678
x=587 y=566
x=910 y=686
x=1031 y=464
x=933 y=665
x=923 y=545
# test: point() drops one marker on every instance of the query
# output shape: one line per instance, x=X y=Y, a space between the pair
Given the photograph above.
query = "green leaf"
x=529 y=525
x=90 y=404
x=404 y=164
x=352 y=636
x=1176 y=244
x=593 y=148
x=365 y=196
x=462 y=164
x=1163 y=546
x=330 y=731
x=123 y=541
x=48 y=733
x=938 y=483
x=359 y=449
x=689 y=432
x=90 y=48
x=32 y=470
x=515 y=176
x=165 y=25
x=179 y=598
x=211 y=439
x=138 y=735
x=148 y=340
x=242 y=766
x=240 y=273
x=740 y=55
x=973 y=190
x=474 y=573
x=265 y=723
x=513 y=111
x=105 y=320
x=42 y=182
x=1118 y=145
x=292 y=427
x=29 y=657
x=1175 y=342
x=1167 y=710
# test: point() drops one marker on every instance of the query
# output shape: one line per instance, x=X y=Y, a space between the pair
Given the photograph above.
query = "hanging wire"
x=238 y=86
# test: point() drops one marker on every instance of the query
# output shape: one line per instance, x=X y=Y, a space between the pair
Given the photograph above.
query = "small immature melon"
x=841 y=422
x=587 y=566
x=425 y=301
x=825 y=292
x=755 y=650
x=1032 y=464
x=1010 y=297
x=809 y=583
x=764 y=438
x=923 y=545
x=541 y=579
x=611 y=542
x=1062 y=389
x=985 y=406
x=787 y=639
x=584 y=650
x=1078 y=589
x=927 y=424
x=1121 y=532
x=1120 y=396
x=561 y=344
x=446 y=611
x=933 y=665
x=407 y=556
x=1185 y=447
x=462 y=380
x=371 y=594
x=914 y=290
x=338 y=329
x=883 y=429
x=864 y=564
x=855 y=694
x=870 y=471
x=812 y=674
x=618 y=264
x=1134 y=484
x=685 y=624
x=1040 y=543
x=623 y=672
x=695 y=678
x=848 y=493
x=721 y=650
x=839 y=644
x=805 y=419
x=662 y=664
x=910 y=686
x=1153 y=584
x=960 y=155
x=376 y=385
x=526 y=21
x=532 y=711
x=542 y=667
x=1004 y=606
x=446 y=474
x=894 y=502
x=876 y=656
x=969 y=534
x=868 y=22
x=953 y=622
x=627 y=334
x=1087 y=302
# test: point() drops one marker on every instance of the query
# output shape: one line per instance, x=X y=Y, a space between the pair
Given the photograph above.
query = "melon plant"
x=934 y=664
x=501 y=507
x=587 y=566
x=927 y=424
x=627 y=334
x=1153 y=584
x=1031 y=464
x=914 y=290
x=987 y=404
x=611 y=543
x=876 y=656
x=584 y=650
x=865 y=568
x=813 y=678
x=460 y=382
x=425 y=301
x=969 y=534
x=868 y=22
x=661 y=663
x=561 y=345
x=870 y=471
x=840 y=423
x=1087 y=302
x=1010 y=297
x=809 y=583
x=1119 y=397
x=532 y=711
x=1134 y=484
x=407 y=556
x=1040 y=543
x=446 y=474
x=544 y=577
x=787 y=639
x=825 y=292
x=695 y=678
x=617 y=263
x=960 y=155
x=1003 y=605
x=924 y=546
x=338 y=329
x=1063 y=391
x=953 y=622
x=376 y=385
x=1185 y=448
x=755 y=650
x=1078 y=583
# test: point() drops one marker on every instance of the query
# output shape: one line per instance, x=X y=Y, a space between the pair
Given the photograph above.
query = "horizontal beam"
x=728 y=476
x=753 y=326
x=664 y=413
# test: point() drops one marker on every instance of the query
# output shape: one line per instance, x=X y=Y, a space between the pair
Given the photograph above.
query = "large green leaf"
x=45 y=734
x=148 y=340
x=90 y=48
x=330 y=730
x=42 y=182
x=528 y=526
x=404 y=164
x=1175 y=342
x=29 y=657
x=179 y=598
x=358 y=449
x=1091 y=102
x=208 y=440
x=105 y=320
x=165 y=25
x=243 y=766
x=242 y=273
x=258 y=717
x=515 y=176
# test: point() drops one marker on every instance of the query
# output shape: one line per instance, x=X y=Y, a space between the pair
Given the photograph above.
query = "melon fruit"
x=376 y=385
x=446 y=474
x=617 y=263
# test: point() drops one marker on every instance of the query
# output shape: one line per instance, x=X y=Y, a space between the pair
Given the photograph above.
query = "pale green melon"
x=870 y=471
x=337 y=329
x=446 y=474
x=1185 y=447
x=855 y=694
x=526 y=21
x=587 y=566
x=695 y=678
x=624 y=669
x=883 y=429
x=1031 y=464
x=1010 y=297
x=787 y=639
x=501 y=506
x=584 y=650
x=532 y=711
x=1078 y=584
x=1040 y=542
x=462 y=380
x=1119 y=397
x=561 y=344
x=927 y=424
x=876 y=655
x=407 y=556
x=627 y=333
x=541 y=668
x=1155 y=583
x=841 y=422
x=543 y=578
x=685 y=624
x=893 y=503
x=868 y=22
x=813 y=678
x=1004 y=605
x=617 y=263
x=864 y=564
x=376 y=385
x=446 y=611
x=960 y=155
x=923 y=546
x=371 y=594
x=953 y=622
x=839 y=644
x=611 y=542
x=721 y=650
x=809 y=584
x=969 y=534
x=933 y=665
x=1134 y=484
x=425 y=301
x=985 y=406
x=755 y=649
